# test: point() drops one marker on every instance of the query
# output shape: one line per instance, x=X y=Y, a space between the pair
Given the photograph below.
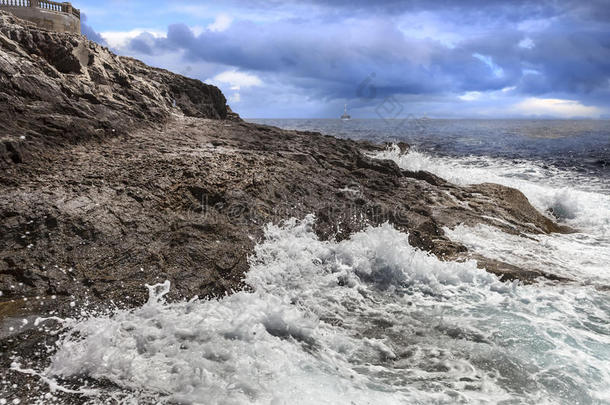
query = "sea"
x=317 y=326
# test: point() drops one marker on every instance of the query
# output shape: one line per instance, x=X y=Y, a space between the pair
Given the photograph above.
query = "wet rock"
x=425 y=176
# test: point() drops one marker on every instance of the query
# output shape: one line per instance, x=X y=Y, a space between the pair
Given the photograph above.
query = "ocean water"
x=561 y=166
x=580 y=148
x=372 y=320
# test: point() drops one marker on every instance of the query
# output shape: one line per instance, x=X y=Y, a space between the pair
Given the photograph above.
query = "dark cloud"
x=89 y=32
x=463 y=10
x=503 y=9
x=574 y=62
x=142 y=44
x=331 y=58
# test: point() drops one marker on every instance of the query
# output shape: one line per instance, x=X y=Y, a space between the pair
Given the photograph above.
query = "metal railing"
x=43 y=4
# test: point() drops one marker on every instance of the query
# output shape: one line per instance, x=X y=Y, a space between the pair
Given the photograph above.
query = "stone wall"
x=59 y=17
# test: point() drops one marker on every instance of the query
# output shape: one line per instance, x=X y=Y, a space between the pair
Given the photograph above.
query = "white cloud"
x=221 y=23
x=470 y=96
x=237 y=80
x=197 y=30
x=118 y=39
x=530 y=72
x=479 y=97
x=488 y=60
x=428 y=26
x=527 y=43
x=556 y=108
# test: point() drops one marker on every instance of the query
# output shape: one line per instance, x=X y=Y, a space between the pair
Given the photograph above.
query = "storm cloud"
x=448 y=54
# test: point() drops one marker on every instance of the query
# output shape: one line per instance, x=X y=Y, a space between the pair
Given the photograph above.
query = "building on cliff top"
x=50 y=15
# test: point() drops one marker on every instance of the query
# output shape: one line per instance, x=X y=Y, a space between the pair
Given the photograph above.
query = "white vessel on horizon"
x=345 y=116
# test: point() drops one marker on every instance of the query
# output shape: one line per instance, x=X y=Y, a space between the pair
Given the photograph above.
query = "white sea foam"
x=367 y=320
x=580 y=256
x=584 y=205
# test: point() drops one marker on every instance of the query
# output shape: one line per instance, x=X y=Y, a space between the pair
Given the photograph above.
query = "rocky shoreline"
x=115 y=175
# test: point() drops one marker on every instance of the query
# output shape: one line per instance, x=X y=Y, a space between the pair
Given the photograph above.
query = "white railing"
x=16 y=3
x=43 y=4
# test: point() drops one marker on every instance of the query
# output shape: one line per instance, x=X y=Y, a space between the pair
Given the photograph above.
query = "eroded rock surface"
x=115 y=174
x=59 y=88
x=187 y=201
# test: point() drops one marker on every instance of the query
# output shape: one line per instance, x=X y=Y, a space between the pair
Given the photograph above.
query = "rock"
x=515 y=208
x=116 y=175
x=425 y=176
x=388 y=167
x=183 y=196
x=89 y=92
x=403 y=146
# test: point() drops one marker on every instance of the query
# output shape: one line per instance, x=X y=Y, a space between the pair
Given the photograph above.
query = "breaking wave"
x=565 y=196
x=367 y=320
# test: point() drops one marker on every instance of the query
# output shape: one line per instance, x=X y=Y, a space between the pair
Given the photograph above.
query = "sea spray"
x=582 y=256
x=561 y=194
x=367 y=320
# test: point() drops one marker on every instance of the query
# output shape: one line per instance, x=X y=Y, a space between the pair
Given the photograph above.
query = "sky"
x=384 y=59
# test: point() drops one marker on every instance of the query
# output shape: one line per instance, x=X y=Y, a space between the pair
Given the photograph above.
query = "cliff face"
x=58 y=88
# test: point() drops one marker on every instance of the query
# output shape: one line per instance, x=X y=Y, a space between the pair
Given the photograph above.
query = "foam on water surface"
x=577 y=256
x=367 y=320
x=372 y=320
x=574 y=200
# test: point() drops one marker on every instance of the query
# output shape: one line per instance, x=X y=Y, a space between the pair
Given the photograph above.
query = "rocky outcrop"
x=118 y=174
x=115 y=174
x=187 y=200
x=58 y=89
